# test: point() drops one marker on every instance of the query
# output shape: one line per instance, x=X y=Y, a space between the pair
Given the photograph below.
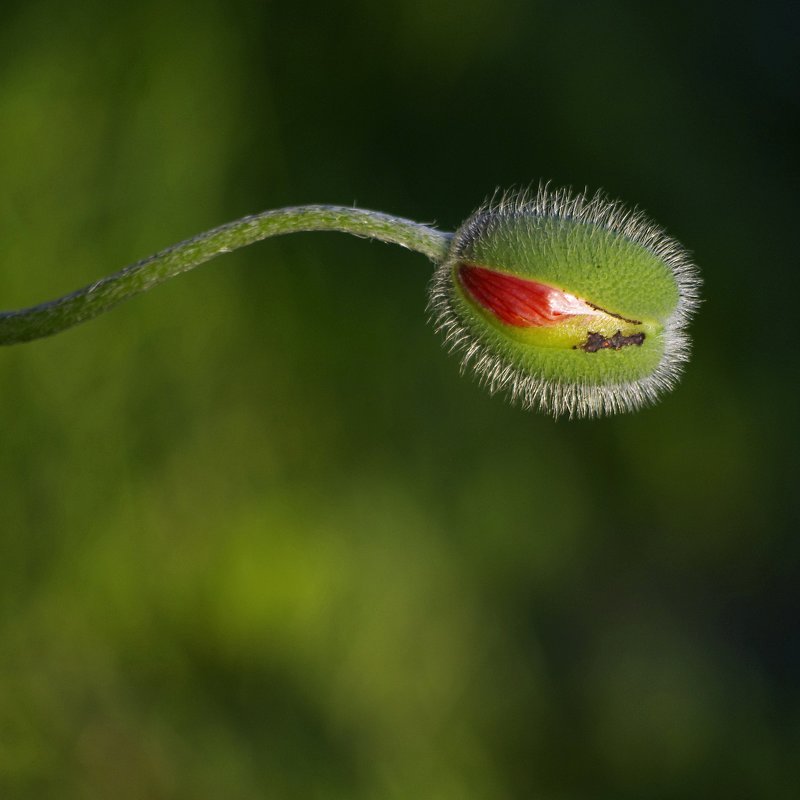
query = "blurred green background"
x=258 y=539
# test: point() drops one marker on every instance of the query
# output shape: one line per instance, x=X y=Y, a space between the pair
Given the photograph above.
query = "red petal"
x=516 y=301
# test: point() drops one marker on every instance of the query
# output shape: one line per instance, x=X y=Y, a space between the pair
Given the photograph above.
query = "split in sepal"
x=572 y=304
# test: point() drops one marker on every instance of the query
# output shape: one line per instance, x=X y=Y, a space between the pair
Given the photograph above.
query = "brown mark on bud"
x=596 y=341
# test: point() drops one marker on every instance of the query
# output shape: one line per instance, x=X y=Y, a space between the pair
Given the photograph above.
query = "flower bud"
x=571 y=304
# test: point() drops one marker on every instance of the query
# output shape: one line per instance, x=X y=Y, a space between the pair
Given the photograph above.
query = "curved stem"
x=84 y=304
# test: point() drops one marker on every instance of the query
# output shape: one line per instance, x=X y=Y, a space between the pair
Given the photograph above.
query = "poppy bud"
x=571 y=304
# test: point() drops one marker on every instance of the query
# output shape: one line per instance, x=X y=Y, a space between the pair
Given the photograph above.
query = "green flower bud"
x=571 y=304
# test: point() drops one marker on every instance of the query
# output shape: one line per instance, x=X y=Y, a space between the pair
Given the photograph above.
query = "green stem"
x=84 y=304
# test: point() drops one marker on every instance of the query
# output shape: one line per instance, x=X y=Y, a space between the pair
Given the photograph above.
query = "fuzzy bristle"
x=498 y=365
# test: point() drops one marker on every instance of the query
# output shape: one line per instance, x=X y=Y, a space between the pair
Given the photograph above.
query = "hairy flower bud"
x=574 y=305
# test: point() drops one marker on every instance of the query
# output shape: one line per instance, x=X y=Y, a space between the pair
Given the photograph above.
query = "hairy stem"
x=84 y=304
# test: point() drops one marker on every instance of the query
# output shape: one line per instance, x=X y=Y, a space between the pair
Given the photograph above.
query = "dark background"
x=257 y=536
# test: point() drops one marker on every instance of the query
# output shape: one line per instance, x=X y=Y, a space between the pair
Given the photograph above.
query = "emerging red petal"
x=518 y=301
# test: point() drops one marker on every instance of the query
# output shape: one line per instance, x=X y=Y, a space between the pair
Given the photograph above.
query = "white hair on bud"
x=497 y=371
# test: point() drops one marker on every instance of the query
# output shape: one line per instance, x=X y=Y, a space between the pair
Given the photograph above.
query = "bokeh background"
x=259 y=539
